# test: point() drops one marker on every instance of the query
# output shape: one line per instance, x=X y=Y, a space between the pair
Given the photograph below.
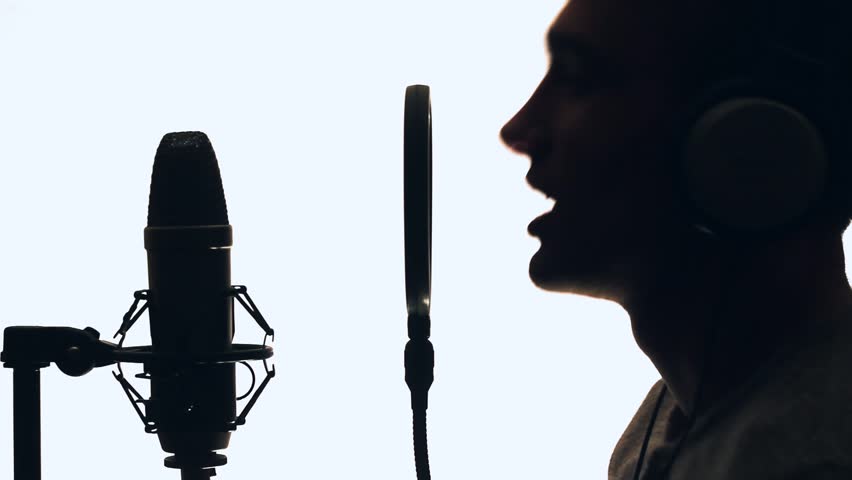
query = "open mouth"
x=537 y=226
x=541 y=184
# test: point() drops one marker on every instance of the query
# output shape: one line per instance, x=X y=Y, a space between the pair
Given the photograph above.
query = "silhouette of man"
x=750 y=333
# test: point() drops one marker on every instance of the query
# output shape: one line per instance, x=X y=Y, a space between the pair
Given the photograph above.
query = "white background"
x=303 y=103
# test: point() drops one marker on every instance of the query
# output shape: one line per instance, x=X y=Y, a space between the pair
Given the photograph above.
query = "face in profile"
x=596 y=131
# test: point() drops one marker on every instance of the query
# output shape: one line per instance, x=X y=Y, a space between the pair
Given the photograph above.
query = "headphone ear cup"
x=752 y=165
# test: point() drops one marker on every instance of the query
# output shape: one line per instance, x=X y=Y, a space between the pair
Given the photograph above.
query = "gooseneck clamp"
x=419 y=374
x=28 y=349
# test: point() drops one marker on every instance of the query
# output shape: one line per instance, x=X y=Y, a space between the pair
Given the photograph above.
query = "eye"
x=575 y=81
x=568 y=70
x=566 y=62
x=566 y=76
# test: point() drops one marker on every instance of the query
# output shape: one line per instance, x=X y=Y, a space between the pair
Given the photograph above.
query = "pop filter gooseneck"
x=419 y=354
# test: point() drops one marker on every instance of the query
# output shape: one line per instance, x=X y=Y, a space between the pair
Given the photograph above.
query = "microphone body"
x=191 y=316
x=191 y=307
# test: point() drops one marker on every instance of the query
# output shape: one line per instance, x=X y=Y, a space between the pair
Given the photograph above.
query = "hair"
x=806 y=40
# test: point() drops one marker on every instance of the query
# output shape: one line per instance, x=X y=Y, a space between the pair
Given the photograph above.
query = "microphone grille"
x=186 y=186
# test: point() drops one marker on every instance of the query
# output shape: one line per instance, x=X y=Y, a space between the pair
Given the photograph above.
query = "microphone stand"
x=26 y=350
x=27 y=422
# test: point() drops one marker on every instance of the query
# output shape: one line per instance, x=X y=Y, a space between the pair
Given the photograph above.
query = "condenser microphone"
x=190 y=301
x=188 y=241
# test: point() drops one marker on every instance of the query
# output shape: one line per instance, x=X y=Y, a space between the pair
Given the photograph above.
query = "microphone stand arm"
x=26 y=350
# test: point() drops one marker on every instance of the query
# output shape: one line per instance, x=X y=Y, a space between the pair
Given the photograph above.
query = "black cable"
x=421 y=449
x=649 y=430
x=710 y=345
x=694 y=414
x=708 y=355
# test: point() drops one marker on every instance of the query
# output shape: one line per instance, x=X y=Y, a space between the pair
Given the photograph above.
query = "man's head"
x=599 y=131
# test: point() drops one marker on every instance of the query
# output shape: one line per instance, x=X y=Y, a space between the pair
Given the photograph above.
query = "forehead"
x=635 y=34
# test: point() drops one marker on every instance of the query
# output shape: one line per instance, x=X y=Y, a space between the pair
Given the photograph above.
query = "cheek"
x=610 y=154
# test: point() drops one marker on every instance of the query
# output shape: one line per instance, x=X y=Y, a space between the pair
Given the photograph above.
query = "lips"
x=537 y=182
x=541 y=185
x=534 y=228
x=541 y=224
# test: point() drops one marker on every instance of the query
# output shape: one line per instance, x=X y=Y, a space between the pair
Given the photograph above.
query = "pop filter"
x=418 y=199
x=419 y=354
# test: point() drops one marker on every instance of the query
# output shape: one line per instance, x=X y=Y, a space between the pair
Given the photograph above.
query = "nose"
x=514 y=136
x=524 y=132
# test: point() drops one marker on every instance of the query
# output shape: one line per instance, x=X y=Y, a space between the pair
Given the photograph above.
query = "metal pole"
x=26 y=391
x=197 y=473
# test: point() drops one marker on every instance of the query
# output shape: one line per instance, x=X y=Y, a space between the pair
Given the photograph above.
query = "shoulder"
x=825 y=471
x=801 y=443
x=797 y=421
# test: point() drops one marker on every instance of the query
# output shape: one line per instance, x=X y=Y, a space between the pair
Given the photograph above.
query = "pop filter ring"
x=417 y=149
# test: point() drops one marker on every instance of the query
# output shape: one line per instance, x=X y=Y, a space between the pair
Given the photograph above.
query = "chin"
x=550 y=272
x=554 y=271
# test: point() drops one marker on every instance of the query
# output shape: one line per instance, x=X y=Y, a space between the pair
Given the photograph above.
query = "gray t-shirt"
x=791 y=420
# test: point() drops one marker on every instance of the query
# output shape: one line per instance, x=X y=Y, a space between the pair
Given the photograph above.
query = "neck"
x=755 y=301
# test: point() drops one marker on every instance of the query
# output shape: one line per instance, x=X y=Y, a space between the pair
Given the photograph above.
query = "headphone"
x=761 y=149
x=758 y=153
x=752 y=164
